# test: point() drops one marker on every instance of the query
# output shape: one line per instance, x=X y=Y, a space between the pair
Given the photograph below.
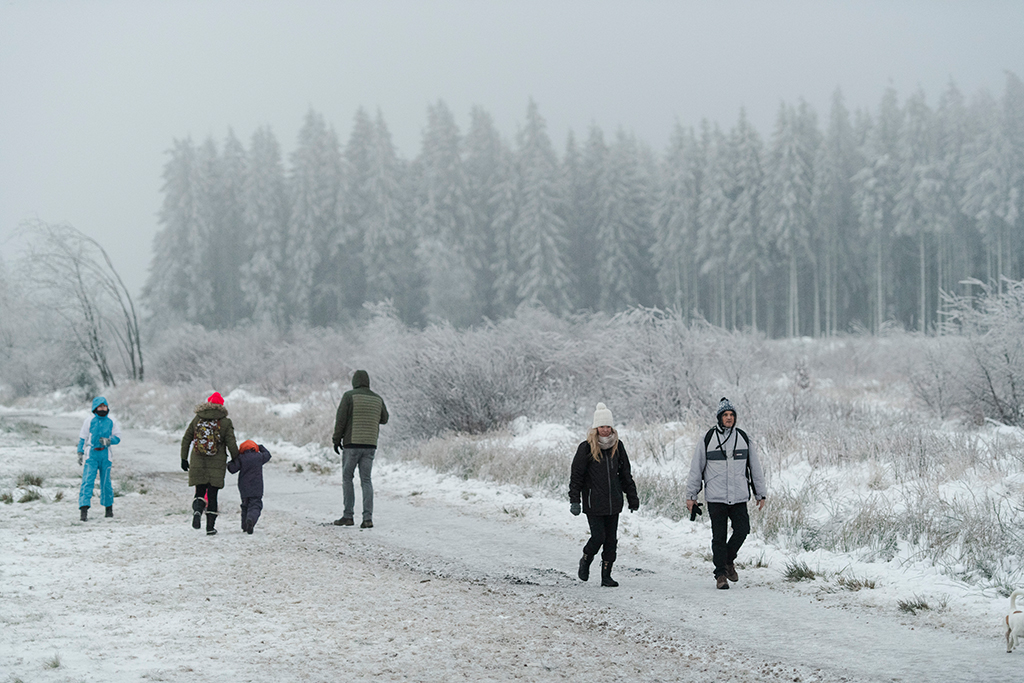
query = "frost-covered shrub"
x=262 y=357
x=989 y=363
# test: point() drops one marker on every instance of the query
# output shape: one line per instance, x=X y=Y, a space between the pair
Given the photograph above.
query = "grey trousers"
x=363 y=459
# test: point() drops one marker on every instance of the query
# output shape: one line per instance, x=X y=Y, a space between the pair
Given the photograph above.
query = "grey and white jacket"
x=719 y=466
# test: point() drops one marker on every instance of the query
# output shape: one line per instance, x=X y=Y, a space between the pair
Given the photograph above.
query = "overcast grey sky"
x=93 y=93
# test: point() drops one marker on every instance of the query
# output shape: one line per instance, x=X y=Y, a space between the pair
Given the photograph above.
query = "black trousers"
x=210 y=493
x=603 y=530
x=724 y=552
x=251 y=509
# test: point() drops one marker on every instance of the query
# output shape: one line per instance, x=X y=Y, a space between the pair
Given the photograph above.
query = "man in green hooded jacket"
x=360 y=415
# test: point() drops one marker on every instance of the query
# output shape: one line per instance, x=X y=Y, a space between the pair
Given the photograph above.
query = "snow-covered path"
x=435 y=591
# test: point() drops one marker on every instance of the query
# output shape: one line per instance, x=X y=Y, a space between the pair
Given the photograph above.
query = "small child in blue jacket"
x=249 y=466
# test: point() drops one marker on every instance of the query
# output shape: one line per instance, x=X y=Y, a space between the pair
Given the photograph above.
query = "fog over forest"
x=831 y=222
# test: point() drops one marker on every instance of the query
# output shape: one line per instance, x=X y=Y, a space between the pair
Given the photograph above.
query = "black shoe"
x=721 y=582
x=85 y=513
x=211 y=519
x=110 y=511
x=584 y=572
x=367 y=524
x=198 y=508
x=248 y=526
x=344 y=521
x=606 y=575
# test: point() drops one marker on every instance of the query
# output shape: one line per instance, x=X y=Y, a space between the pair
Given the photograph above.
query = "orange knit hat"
x=247 y=445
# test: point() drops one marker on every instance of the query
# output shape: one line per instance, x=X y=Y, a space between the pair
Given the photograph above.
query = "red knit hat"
x=216 y=398
x=247 y=445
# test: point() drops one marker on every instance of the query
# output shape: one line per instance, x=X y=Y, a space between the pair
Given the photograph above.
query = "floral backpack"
x=206 y=437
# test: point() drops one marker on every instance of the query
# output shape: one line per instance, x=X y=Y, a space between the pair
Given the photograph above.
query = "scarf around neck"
x=606 y=442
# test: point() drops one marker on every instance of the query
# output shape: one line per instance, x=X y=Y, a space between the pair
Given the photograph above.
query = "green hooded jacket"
x=209 y=469
x=360 y=415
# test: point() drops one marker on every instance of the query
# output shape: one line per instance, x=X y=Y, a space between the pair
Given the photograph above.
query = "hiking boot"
x=85 y=513
x=110 y=511
x=198 y=508
x=584 y=572
x=248 y=526
x=606 y=575
x=344 y=521
x=211 y=520
x=730 y=573
x=367 y=524
x=721 y=582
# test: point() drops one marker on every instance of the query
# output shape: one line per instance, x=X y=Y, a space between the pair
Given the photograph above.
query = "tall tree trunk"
x=879 y=295
x=753 y=299
x=793 y=321
x=923 y=323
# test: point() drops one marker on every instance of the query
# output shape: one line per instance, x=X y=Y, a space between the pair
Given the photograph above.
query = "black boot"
x=198 y=508
x=606 y=575
x=211 y=519
x=584 y=572
x=85 y=513
x=110 y=511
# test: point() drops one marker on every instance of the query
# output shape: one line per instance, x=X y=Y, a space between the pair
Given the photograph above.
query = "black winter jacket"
x=602 y=484
x=250 y=467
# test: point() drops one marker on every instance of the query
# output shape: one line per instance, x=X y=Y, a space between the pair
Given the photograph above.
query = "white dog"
x=1014 y=623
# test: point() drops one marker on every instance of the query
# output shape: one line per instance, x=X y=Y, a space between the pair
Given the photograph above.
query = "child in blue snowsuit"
x=249 y=466
x=98 y=434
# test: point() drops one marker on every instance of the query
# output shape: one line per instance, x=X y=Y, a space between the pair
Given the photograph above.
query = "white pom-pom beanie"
x=602 y=416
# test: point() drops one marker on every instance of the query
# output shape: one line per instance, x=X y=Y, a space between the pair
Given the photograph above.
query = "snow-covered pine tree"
x=919 y=206
x=584 y=263
x=748 y=251
x=318 y=271
x=204 y=238
x=169 y=284
x=788 y=187
x=674 y=217
x=624 y=226
x=388 y=238
x=443 y=217
x=539 y=231
x=955 y=248
x=232 y=238
x=714 y=216
x=265 y=277
x=832 y=205
x=483 y=155
x=988 y=188
x=1013 y=133
x=579 y=250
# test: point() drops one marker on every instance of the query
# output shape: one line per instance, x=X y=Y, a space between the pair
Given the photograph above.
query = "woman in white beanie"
x=600 y=477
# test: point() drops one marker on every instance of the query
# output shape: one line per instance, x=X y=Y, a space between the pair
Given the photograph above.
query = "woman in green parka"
x=211 y=437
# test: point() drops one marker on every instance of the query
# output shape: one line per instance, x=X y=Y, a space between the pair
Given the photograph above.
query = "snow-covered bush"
x=988 y=359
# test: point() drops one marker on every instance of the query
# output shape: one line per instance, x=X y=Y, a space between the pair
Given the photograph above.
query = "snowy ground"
x=459 y=580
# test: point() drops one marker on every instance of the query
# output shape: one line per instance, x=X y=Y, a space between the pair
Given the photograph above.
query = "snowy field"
x=460 y=580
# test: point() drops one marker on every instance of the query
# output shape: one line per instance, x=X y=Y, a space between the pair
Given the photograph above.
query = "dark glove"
x=575 y=509
x=696 y=510
x=632 y=510
x=80 y=454
x=337 y=448
x=184 y=465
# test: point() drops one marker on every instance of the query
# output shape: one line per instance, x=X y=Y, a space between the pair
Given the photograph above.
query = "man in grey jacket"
x=726 y=466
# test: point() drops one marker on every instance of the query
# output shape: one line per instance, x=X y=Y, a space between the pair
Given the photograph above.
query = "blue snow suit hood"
x=99 y=428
